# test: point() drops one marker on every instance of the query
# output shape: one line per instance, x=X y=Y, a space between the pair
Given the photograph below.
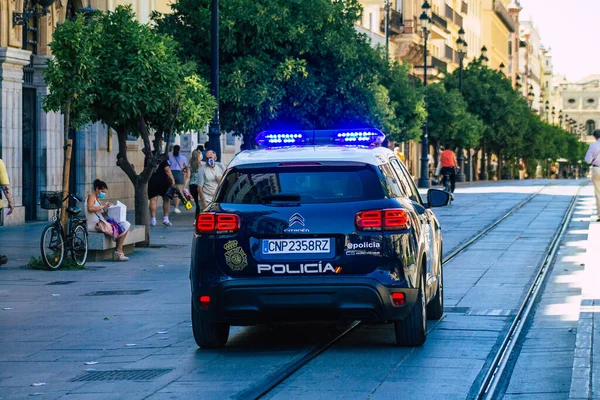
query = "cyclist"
x=5 y=189
x=449 y=166
x=96 y=211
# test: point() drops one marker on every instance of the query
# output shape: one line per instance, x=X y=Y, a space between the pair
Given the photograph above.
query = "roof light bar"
x=347 y=137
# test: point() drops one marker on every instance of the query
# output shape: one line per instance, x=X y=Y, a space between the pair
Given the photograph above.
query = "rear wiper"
x=280 y=197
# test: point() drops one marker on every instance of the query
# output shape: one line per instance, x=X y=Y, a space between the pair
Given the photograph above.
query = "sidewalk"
x=21 y=243
x=585 y=379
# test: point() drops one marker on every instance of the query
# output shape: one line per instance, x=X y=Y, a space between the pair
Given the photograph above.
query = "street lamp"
x=483 y=58
x=425 y=19
x=483 y=176
x=547 y=109
x=553 y=114
x=461 y=47
x=214 y=132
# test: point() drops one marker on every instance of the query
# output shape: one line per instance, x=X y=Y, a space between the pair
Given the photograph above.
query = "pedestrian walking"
x=593 y=157
x=179 y=168
x=5 y=191
x=449 y=166
x=159 y=184
x=195 y=167
x=97 y=218
x=209 y=178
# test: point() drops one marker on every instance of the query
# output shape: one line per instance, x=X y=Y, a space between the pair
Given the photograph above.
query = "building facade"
x=497 y=27
x=579 y=102
x=31 y=140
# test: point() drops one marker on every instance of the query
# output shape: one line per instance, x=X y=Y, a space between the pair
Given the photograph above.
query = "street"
x=123 y=330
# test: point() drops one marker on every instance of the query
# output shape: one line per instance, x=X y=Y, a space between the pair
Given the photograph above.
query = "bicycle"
x=54 y=244
x=447 y=184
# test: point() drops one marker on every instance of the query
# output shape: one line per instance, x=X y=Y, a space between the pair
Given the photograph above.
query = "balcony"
x=504 y=16
x=439 y=21
x=396 y=23
x=439 y=64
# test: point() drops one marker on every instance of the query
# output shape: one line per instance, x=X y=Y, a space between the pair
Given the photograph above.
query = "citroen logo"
x=296 y=219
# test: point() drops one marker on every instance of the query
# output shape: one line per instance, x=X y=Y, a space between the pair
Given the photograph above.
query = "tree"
x=449 y=123
x=70 y=76
x=142 y=85
x=297 y=61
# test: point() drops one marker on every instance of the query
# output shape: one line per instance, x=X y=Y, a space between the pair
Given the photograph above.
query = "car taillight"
x=377 y=220
x=398 y=299
x=217 y=223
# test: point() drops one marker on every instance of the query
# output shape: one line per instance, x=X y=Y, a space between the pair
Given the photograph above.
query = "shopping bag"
x=118 y=212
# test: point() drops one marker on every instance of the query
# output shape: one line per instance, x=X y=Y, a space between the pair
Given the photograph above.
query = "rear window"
x=320 y=184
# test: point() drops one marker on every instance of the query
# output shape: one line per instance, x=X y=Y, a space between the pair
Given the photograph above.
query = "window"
x=391 y=181
x=571 y=101
x=590 y=101
x=590 y=126
x=319 y=184
x=407 y=183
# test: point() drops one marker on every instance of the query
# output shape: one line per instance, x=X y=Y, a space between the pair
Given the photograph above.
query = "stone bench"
x=101 y=247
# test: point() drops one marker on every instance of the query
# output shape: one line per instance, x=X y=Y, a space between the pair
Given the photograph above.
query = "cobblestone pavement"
x=60 y=328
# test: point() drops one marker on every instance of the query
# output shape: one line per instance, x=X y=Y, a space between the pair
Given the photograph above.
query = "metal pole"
x=214 y=132
x=387 y=30
x=460 y=177
x=483 y=176
x=424 y=181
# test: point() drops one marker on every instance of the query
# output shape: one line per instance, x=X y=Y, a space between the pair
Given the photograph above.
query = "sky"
x=572 y=31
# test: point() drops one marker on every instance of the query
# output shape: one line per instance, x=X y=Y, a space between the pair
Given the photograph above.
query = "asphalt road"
x=129 y=322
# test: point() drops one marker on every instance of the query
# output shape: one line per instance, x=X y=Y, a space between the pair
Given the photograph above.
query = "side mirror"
x=437 y=198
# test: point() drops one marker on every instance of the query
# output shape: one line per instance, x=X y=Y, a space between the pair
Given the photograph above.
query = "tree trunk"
x=68 y=147
x=142 y=214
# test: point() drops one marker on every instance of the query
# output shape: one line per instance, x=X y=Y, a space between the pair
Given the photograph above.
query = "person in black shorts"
x=158 y=185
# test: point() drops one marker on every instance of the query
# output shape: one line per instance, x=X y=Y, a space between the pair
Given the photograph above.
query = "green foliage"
x=71 y=73
x=68 y=264
x=449 y=122
x=142 y=77
x=298 y=62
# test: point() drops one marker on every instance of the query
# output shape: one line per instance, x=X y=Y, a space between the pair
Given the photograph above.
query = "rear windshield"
x=320 y=184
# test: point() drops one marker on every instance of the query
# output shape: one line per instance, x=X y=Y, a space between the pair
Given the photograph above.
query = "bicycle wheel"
x=52 y=247
x=79 y=245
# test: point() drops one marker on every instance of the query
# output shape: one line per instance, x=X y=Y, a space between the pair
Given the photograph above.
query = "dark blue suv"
x=318 y=225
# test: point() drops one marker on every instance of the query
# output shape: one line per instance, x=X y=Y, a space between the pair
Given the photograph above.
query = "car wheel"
x=435 y=308
x=208 y=335
x=412 y=330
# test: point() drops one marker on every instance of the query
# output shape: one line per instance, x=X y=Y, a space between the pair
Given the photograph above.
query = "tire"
x=208 y=335
x=435 y=308
x=79 y=245
x=52 y=247
x=412 y=331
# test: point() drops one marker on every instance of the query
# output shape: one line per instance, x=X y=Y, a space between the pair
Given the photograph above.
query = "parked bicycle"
x=54 y=244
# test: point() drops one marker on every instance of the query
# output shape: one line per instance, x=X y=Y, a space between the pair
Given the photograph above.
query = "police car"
x=313 y=226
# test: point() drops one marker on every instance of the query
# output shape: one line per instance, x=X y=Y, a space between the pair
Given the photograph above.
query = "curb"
x=582 y=378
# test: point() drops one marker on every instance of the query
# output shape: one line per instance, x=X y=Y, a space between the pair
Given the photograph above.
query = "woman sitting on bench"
x=96 y=214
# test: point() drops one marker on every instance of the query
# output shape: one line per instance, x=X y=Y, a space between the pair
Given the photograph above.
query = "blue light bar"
x=347 y=137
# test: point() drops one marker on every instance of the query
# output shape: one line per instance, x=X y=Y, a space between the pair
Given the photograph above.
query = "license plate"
x=296 y=246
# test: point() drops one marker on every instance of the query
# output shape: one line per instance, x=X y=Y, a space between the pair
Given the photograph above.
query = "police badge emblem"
x=235 y=257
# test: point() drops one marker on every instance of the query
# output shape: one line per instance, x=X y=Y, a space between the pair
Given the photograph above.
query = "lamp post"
x=483 y=176
x=553 y=113
x=461 y=47
x=425 y=19
x=387 y=29
x=483 y=58
x=547 y=109
x=214 y=132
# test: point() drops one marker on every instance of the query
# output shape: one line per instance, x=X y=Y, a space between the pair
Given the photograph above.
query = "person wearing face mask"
x=95 y=211
x=209 y=177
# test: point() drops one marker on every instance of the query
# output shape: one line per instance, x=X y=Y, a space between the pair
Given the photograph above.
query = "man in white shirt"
x=593 y=157
x=209 y=177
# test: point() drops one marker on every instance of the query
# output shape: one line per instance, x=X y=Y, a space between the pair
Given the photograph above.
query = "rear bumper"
x=255 y=301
